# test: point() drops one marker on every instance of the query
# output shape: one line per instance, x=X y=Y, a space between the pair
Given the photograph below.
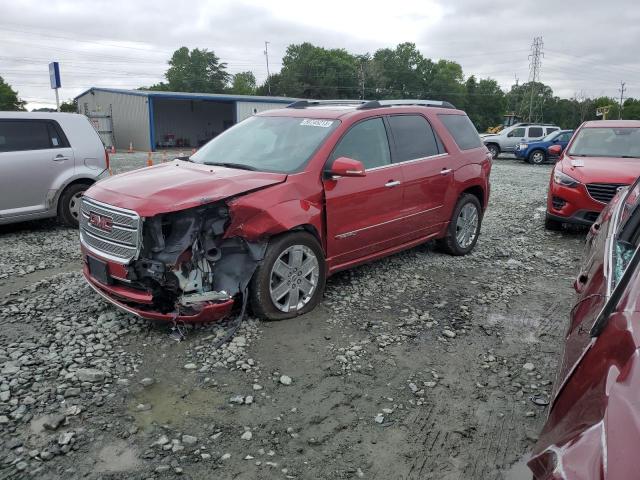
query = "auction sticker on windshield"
x=309 y=122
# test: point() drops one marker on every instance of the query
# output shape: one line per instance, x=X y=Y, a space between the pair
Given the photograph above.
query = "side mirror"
x=555 y=150
x=347 y=167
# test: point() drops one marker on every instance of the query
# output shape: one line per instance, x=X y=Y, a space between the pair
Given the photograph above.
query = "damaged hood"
x=177 y=185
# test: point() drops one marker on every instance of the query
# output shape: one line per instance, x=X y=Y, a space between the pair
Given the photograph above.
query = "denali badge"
x=101 y=221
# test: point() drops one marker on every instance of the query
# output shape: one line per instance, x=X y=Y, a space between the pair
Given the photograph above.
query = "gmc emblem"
x=101 y=221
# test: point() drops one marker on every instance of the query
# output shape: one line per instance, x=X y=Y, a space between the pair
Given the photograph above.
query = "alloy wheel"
x=294 y=278
x=537 y=157
x=467 y=225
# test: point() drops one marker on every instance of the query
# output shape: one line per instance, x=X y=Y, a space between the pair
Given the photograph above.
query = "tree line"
x=310 y=71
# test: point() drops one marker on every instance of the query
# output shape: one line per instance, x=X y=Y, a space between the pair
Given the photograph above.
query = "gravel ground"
x=419 y=366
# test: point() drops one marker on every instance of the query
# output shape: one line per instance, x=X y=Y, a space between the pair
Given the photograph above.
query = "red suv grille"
x=603 y=192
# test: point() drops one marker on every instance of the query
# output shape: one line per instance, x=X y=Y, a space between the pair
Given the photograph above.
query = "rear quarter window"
x=462 y=130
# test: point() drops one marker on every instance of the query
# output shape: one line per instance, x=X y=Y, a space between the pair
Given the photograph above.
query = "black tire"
x=450 y=243
x=537 y=157
x=552 y=225
x=494 y=150
x=68 y=208
x=259 y=290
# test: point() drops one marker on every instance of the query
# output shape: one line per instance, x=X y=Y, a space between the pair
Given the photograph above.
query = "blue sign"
x=54 y=74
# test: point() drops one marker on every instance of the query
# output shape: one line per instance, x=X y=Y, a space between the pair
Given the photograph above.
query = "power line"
x=621 y=90
x=534 y=69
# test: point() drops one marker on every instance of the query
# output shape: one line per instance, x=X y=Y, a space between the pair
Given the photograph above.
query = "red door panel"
x=364 y=215
x=426 y=184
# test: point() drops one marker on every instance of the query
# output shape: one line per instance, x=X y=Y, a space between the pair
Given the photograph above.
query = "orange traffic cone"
x=113 y=149
x=149 y=160
x=130 y=147
x=193 y=150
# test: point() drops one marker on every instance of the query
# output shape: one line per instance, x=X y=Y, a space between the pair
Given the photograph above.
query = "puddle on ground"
x=519 y=470
x=173 y=405
x=524 y=328
x=117 y=457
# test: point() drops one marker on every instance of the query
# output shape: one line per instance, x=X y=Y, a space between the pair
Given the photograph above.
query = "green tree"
x=398 y=73
x=485 y=102
x=244 y=83
x=9 y=97
x=631 y=110
x=70 y=106
x=315 y=72
x=194 y=71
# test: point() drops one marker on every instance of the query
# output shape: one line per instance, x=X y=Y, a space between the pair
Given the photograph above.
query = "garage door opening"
x=188 y=123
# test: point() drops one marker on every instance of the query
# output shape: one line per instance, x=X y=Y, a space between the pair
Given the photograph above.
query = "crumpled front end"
x=174 y=266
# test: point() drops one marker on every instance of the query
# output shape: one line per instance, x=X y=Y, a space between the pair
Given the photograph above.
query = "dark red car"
x=602 y=157
x=270 y=208
x=593 y=428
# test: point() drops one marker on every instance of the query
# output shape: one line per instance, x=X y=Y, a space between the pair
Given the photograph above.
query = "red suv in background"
x=271 y=207
x=602 y=157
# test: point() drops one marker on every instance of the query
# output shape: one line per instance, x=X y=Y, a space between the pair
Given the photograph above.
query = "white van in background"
x=47 y=161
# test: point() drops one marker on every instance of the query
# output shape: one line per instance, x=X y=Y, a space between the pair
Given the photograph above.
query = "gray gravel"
x=418 y=366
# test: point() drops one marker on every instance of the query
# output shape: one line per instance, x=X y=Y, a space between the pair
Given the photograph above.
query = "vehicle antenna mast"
x=535 y=63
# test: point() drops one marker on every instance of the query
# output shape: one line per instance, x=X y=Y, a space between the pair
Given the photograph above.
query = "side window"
x=56 y=136
x=551 y=129
x=18 y=136
x=367 y=142
x=462 y=130
x=565 y=137
x=413 y=136
x=535 y=132
x=517 y=132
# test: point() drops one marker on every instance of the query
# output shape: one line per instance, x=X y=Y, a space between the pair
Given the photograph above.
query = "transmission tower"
x=535 y=64
x=621 y=90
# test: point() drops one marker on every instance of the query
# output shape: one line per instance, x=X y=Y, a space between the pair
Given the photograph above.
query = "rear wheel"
x=537 y=157
x=494 y=150
x=69 y=204
x=291 y=278
x=464 y=227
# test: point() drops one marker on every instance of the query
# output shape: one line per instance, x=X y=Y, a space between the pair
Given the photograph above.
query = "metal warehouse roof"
x=221 y=97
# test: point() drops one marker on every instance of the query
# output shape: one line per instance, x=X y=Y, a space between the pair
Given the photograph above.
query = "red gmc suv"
x=602 y=157
x=271 y=207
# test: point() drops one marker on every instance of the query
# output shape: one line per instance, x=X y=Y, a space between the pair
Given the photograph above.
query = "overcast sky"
x=589 y=46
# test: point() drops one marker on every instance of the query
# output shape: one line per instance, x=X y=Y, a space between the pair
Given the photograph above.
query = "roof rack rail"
x=394 y=103
x=313 y=103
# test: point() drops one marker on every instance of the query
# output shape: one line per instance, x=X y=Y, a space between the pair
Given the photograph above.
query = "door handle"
x=446 y=171
x=60 y=158
x=392 y=183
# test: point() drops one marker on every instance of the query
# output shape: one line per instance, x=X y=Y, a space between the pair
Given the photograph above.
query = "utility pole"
x=266 y=55
x=535 y=63
x=621 y=90
x=361 y=81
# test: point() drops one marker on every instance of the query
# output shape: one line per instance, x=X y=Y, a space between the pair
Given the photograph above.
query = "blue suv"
x=537 y=152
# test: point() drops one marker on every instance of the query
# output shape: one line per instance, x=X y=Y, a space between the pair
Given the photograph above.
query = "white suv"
x=507 y=139
x=47 y=161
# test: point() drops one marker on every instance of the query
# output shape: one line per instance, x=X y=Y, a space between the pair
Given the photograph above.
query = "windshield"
x=268 y=144
x=607 y=142
x=550 y=136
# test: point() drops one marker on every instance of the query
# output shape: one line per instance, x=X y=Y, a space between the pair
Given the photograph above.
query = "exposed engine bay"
x=186 y=262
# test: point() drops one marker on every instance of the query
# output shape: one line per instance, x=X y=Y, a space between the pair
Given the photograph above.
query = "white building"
x=149 y=120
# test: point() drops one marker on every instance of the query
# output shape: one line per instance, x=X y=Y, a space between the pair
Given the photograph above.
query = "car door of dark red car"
x=364 y=214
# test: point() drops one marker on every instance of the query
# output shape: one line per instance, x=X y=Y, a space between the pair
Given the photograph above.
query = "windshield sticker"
x=577 y=162
x=316 y=123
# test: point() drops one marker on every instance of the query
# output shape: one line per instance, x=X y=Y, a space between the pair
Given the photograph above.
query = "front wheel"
x=464 y=227
x=537 y=157
x=291 y=278
x=69 y=204
x=494 y=150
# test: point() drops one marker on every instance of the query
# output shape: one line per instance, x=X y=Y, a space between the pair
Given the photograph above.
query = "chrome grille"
x=603 y=192
x=122 y=242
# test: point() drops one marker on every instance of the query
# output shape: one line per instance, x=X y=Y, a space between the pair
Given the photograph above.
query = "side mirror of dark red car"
x=555 y=149
x=347 y=167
